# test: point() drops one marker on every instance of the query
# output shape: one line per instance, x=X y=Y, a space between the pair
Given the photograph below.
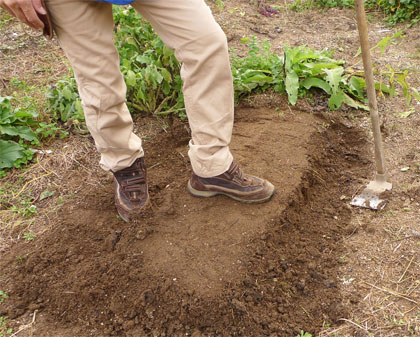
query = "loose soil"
x=203 y=266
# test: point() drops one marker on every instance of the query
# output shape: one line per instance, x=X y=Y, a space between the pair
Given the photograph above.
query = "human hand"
x=25 y=11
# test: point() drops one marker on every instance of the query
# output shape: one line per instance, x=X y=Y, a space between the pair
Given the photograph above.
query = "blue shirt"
x=117 y=2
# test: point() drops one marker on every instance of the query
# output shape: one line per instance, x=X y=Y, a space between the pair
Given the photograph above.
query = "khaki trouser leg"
x=200 y=45
x=85 y=31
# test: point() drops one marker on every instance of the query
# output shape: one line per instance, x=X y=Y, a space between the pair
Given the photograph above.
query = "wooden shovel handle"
x=370 y=85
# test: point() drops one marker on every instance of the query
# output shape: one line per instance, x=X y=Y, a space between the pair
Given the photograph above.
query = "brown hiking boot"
x=234 y=184
x=131 y=191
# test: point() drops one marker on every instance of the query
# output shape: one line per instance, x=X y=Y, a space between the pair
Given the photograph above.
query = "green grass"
x=5 y=331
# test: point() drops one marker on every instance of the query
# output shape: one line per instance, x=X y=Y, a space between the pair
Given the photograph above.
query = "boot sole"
x=208 y=194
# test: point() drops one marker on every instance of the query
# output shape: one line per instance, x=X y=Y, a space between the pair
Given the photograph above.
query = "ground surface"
x=304 y=261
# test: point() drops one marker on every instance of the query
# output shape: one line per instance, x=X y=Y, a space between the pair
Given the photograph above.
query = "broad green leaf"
x=26 y=133
x=67 y=93
x=20 y=130
x=5 y=108
x=354 y=104
x=382 y=87
x=166 y=88
x=131 y=41
x=279 y=87
x=392 y=90
x=288 y=59
x=79 y=109
x=158 y=76
x=318 y=68
x=357 y=85
x=167 y=52
x=166 y=75
x=292 y=86
x=130 y=78
x=126 y=63
x=140 y=95
x=336 y=100
x=144 y=59
x=333 y=78
x=8 y=130
x=24 y=114
x=261 y=78
x=9 y=153
x=46 y=194
x=317 y=83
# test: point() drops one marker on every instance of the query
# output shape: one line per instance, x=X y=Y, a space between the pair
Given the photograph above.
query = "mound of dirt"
x=192 y=266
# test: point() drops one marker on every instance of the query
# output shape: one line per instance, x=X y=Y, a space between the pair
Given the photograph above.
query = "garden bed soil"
x=200 y=266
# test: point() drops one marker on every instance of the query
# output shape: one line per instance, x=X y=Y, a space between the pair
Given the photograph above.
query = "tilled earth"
x=201 y=266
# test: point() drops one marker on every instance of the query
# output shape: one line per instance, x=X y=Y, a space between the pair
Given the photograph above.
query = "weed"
x=304 y=334
x=153 y=82
x=20 y=129
x=29 y=236
x=14 y=130
x=50 y=130
x=65 y=103
x=46 y=194
x=4 y=330
x=3 y=296
x=150 y=69
x=335 y=3
x=294 y=73
x=300 y=5
x=151 y=73
x=59 y=200
x=25 y=208
x=396 y=10
x=220 y=4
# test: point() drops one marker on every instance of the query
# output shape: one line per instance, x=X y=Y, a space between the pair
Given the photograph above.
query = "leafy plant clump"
x=16 y=132
x=295 y=72
x=151 y=72
x=65 y=104
x=396 y=10
x=150 y=69
x=19 y=130
x=154 y=85
x=335 y=3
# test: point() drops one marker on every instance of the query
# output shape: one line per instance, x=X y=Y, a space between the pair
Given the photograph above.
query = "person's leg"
x=85 y=32
x=200 y=45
